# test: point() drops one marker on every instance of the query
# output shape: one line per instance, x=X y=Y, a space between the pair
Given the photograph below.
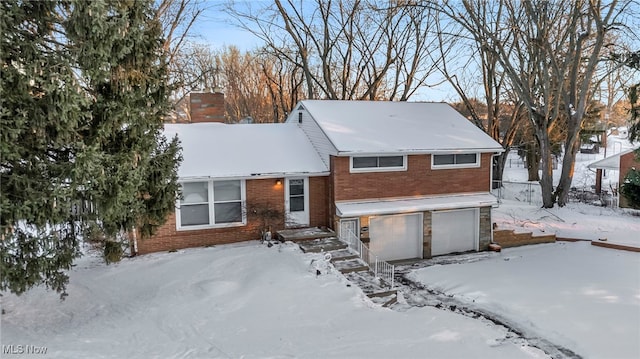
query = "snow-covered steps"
x=342 y=255
x=351 y=265
x=374 y=288
x=386 y=298
x=321 y=245
x=367 y=281
x=306 y=233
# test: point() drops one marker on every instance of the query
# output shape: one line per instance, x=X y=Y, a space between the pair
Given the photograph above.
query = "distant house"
x=622 y=162
x=410 y=179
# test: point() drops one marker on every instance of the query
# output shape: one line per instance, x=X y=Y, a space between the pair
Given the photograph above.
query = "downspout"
x=134 y=242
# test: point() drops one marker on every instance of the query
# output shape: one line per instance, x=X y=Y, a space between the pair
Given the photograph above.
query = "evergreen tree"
x=83 y=93
x=630 y=188
x=633 y=61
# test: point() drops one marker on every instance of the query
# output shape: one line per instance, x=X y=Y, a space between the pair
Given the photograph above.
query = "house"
x=411 y=179
x=622 y=162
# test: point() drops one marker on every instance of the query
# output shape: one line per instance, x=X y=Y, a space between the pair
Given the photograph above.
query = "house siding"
x=315 y=134
x=627 y=161
x=262 y=192
x=418 y=180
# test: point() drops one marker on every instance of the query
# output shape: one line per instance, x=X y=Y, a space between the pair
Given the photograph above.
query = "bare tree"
x=258 y=85
x=177 y=18
x=348 y=49
x=551 y=61
x=503 y=114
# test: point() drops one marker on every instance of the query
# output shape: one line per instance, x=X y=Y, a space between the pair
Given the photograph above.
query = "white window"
x=455 y=160
x=378 y=163
x=211 y=204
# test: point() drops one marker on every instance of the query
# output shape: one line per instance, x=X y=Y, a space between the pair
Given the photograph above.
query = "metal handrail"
x=381 y=269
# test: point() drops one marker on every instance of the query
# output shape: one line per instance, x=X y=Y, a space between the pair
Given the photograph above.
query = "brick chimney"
x=207 y=107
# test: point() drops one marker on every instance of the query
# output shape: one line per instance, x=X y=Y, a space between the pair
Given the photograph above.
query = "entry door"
x=296 y=202
x=349 y=230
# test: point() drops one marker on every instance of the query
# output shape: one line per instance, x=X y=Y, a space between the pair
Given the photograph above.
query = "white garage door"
x=396 y=237
x=454 y=231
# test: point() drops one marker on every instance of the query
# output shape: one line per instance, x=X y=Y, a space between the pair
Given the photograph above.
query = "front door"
x=296 y=202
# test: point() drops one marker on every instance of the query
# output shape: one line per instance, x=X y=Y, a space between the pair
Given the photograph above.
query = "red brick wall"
x=319 y=202
x=418 y=180
x=207 y=107
x=627 y=161
x=260 y=193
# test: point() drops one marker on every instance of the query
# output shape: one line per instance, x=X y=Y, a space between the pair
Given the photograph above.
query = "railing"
x=380 y=268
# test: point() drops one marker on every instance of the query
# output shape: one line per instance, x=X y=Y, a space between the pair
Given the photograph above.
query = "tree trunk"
x=532 y=158
x=498 y=168
x=568 y=164
x=546 y=182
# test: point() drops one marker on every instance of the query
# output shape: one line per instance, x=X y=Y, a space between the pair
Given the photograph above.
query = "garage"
x=454 y=231
x=397 y=236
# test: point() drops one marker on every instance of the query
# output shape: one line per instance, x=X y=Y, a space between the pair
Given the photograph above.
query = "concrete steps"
x=305 y=233
x=351 y=265
x=348 y=263
x=318 y=245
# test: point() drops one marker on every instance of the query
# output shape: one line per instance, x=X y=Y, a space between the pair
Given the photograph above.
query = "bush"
x=113 y=251
x=630 y=188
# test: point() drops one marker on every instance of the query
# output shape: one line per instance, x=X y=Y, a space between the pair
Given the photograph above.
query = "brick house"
x=622 y=162
x=410 y=179
x=627 y=162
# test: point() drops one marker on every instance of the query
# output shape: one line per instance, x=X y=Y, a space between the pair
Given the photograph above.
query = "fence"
x=528 y=192
x=531 y=193
x=380 y=268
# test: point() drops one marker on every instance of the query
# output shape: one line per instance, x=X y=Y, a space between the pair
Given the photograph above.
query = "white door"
x=454 y=231
x=349 y=231
x=396 y=237
x=296 y=202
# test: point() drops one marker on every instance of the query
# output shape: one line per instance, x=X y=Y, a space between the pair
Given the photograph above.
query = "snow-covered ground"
x=251 y=301
x=576 y=220
x=583 y=176
x=236 y=301
x=521 y=210
x=581 y=297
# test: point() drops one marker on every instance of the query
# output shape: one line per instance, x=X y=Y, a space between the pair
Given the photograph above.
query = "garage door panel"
x=396 y=237
x=454 y=231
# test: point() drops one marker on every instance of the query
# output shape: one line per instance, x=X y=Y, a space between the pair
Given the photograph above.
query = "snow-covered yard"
x=236 y=301
x=581 y=297
x=576 y=220
x=251 y=301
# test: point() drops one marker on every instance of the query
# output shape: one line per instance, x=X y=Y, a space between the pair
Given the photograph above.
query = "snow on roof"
x=414 y=204
x=609 y=163
x=244 y=150
x=387 y=127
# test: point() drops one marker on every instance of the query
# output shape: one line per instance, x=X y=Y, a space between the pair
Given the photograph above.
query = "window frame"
x=378 y=168
x=476 y=164
x=211 y=203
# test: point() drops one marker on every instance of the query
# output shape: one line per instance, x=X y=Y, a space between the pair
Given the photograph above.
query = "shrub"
x=630 y=188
